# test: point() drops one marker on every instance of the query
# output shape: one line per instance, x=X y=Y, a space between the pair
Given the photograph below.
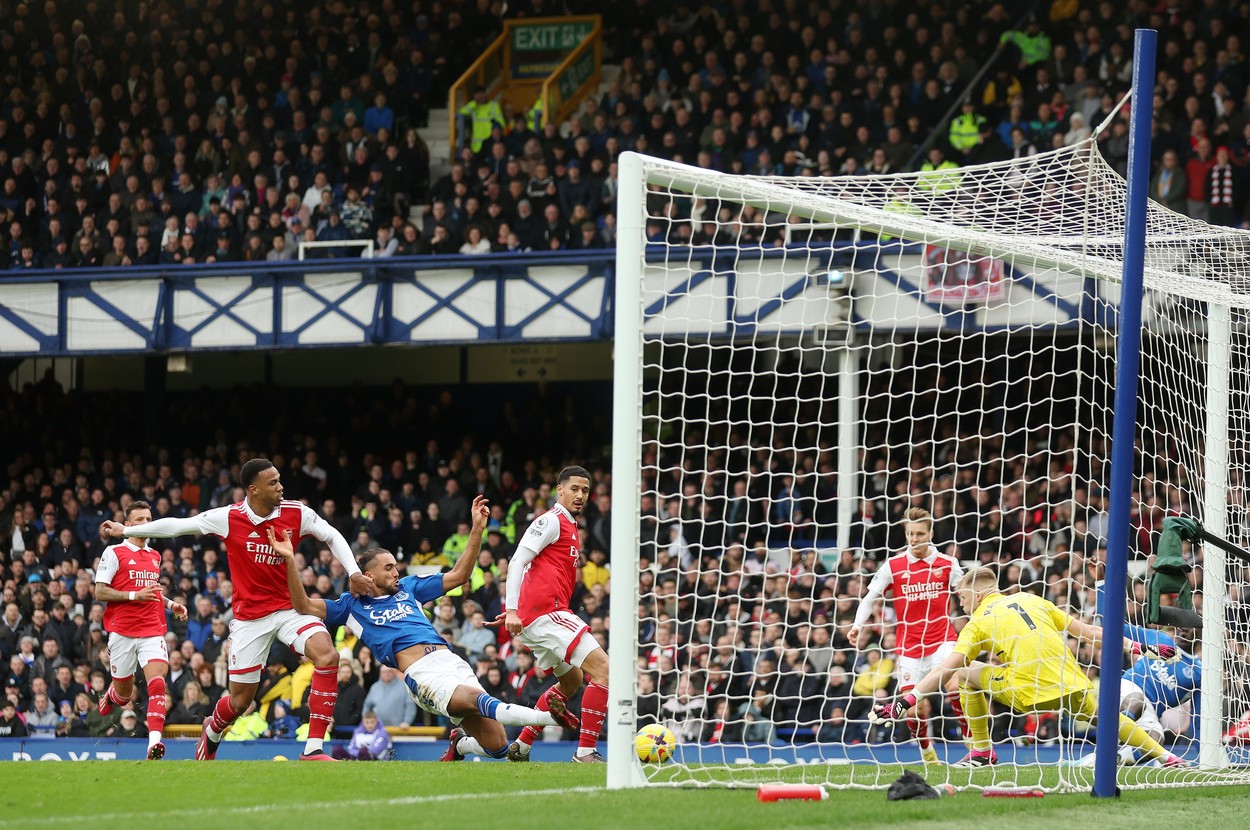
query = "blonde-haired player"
x=1037 y=673
x=921 y=580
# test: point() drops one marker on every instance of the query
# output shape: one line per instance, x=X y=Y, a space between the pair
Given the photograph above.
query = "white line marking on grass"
x=400 y=801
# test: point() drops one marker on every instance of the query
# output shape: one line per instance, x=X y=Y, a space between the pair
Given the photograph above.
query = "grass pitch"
x=234 y=794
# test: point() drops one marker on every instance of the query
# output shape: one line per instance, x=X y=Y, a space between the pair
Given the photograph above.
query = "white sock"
x=524 y=747
x=469 y=746
x=1127 y=755
x=512 y=714
x=584 y=750
x=313 y=745
x=213 y=734
x=154 y=738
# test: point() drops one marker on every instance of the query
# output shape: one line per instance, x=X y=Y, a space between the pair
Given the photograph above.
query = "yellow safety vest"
x=484 y=118
x=965 y=131
x=939 y=178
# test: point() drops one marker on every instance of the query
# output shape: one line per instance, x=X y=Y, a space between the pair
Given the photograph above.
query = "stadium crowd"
x=213 y=132
x=744 y=609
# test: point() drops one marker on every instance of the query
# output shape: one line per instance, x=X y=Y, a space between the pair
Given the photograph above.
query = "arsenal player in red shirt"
x=922 y=581
x=541 y=576
x=262 y=601
x=128 y=580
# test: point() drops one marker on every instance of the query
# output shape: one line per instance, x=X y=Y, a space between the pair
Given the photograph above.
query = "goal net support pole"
x=1124 y=429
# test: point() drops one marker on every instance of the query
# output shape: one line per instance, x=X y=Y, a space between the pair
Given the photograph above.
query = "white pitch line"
x=269 y=808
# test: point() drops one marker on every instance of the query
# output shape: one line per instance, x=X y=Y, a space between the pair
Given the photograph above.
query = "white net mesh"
x=820 y=355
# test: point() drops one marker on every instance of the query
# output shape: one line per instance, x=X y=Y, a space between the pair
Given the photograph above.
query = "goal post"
x=623 y=768
x=798 y=360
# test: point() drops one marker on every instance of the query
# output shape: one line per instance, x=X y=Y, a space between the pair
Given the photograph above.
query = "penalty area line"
x=356 y=803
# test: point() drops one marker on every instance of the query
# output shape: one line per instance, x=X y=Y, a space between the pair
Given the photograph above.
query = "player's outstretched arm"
x=313 y=525
x=1094 y=633
x=210 y=521
x=881 y=582
x=300 y=600
x=463 y=569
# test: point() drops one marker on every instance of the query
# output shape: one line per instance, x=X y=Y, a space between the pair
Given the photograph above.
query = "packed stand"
x=412 y=502
x=178 y=139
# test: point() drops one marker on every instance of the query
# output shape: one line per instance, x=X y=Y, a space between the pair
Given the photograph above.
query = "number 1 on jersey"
x=1020 y=610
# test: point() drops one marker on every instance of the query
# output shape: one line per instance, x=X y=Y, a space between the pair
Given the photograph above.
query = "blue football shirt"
x=390 y=624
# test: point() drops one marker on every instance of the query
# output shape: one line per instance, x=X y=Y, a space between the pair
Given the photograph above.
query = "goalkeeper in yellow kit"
x=1035 y=670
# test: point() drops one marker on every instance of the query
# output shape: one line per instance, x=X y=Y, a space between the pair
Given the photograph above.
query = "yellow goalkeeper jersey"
x=1028 y=636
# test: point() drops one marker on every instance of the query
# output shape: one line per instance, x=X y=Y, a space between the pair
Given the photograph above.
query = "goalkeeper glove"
x=1155 y=651
x=892 y=711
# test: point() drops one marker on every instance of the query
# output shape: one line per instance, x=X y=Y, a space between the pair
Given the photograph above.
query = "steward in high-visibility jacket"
x=966 y=129
x=1033 y=43
x=480 y=116
x=534 y=118
x=938 y=174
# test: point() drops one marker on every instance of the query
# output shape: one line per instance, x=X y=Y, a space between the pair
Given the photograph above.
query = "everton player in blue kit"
x=389 y=620
x=1155 y=691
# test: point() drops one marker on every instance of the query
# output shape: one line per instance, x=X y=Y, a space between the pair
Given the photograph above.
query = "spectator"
x=42 y=719
x=475 y=636
x=349 y=707
x=370 y=741
x=282 y=724
x=11 y=726
x=475 y=242
x=78 y=724
x=1169 y=184
x=390 y=700
x=193 y=708
x=128 y=726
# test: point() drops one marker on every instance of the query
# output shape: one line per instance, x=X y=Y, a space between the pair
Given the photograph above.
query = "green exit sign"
x=550 y=37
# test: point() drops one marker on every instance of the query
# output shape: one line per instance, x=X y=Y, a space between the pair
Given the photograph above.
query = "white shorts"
x=911 y=670
x=250 y=640
x=433 y=679
x=128 y=654
x=559 y=640
x=1148 y=720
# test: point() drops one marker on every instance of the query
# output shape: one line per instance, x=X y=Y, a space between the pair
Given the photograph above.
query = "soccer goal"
x=800 y=360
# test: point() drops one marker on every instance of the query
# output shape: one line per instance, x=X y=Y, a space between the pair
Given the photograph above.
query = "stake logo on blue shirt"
x=390 y=624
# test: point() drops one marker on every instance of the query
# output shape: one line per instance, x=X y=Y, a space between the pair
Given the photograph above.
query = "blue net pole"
x=1124 y=428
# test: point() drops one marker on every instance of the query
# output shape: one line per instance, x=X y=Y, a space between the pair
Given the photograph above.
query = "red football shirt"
x=922 y=594
x=549 y=580
x=126 y=568
x=259 y=574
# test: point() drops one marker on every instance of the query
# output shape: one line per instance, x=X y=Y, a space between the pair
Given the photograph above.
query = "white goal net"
x=801 y=360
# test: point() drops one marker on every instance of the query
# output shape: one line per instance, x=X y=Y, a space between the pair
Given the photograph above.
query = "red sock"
x=594 y=712
x=156 y=704
x=223 y=715
x=920 y=732
x=959 y=713
x=530 y=733
x=117 y=699
x=321 y=700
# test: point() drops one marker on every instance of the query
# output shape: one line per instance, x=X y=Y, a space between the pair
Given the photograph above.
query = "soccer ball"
x=655 y=744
